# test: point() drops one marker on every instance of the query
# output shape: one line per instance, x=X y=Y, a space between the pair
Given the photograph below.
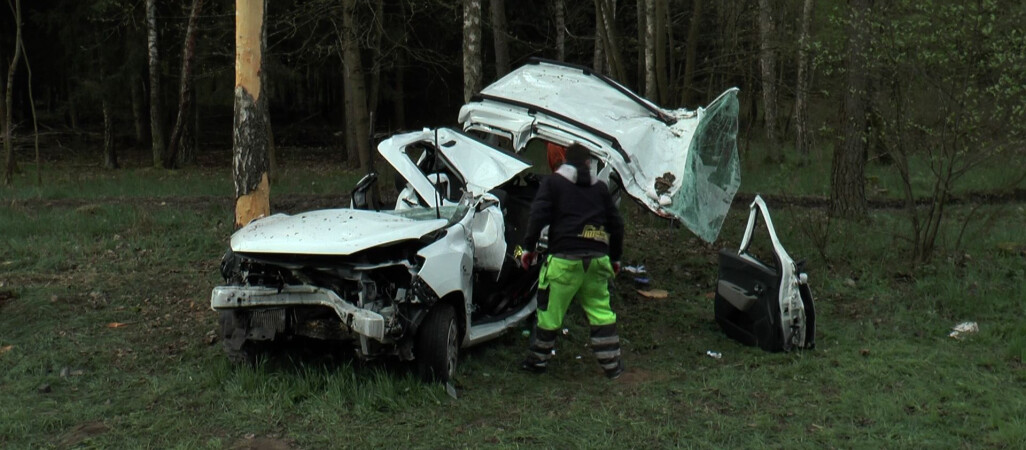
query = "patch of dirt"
x=6 y=297
x=635 y=376
x=81 y=433
x=261 y=443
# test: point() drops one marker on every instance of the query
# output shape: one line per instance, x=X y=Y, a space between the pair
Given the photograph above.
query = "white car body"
x=438 y=271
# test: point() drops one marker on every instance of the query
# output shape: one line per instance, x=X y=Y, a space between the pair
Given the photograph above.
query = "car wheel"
x=437 y=346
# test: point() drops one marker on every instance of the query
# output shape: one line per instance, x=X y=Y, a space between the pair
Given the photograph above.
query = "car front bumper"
x=361 y=321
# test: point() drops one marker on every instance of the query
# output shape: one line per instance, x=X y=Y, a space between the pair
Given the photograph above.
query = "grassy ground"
x=106 y=338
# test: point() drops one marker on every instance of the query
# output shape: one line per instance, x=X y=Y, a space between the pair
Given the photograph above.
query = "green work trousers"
x=563 y=279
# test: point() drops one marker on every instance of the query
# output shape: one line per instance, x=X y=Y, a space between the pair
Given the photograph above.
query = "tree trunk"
x=611 y=39
x=803 y=137
x=32 y=106
x=599 y=54
x=500 y=37
x=560 y=13
x=252 y=121
x=174 y=150
x=847 y=178
x=767 y=66
x=138 y=116
x=399 y=92
x=691 y=55
x=642 y=12
x=355 y=87
x=471 y=48
x=9 y=165
x=662 y=84
x=651 y=87
x=374 y=96
x=110 y=156
x=156 y=107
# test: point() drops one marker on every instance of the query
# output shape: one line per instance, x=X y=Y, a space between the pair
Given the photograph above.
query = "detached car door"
x=680 y=163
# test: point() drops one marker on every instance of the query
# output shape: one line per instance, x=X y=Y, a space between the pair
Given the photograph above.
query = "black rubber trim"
x=665 y=118
x=532 y=109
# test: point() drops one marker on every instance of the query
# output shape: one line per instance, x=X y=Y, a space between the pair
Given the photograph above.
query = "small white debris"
x=964 y=328
x=714 y=355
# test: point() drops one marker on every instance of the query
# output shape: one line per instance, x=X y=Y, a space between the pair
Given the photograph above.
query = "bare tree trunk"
x=599 y=55
x=137 y=109
x=847 y=178
x=252 y=121
x=610 y=39
x=9 y=165
x=375 y=88
x=500 y=37
x=471 y=48
x=110 y=156
x=355 y=86
x=643 y=41
x=174 y=150
x=767 y=66
x=651 y=87
x=399 y=92
x=662 y=84
x=35 y=119
x=156 y=107
x=691 y=55
x=560 y=14
x=72 y=110
x=803 y=137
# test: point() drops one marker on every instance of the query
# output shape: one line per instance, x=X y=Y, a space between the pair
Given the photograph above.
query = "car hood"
x=329 y=232
x=480 y=165
x=679 y=163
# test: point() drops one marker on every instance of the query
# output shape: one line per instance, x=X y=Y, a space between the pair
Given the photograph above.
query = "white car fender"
x=449 y=263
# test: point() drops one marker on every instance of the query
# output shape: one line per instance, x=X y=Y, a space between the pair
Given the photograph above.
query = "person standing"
x=584 y=249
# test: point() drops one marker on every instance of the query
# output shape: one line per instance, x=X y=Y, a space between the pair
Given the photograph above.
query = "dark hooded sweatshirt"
x=580 y=213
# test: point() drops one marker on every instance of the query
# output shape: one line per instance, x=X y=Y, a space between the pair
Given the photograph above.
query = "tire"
x=437 y=346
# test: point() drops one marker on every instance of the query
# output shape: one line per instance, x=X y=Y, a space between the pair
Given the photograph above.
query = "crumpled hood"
x=328 y=232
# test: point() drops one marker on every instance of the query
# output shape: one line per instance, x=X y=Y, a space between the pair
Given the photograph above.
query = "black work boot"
x=540 y=351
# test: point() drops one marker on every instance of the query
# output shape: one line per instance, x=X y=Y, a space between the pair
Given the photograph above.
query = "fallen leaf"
x=654 y=293
x=864 y=352
x=118 y=324
x=5 y=349
x=710 y=295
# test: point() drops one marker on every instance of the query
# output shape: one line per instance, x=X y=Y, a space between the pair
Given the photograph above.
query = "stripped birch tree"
x=471 y=48
x=251 y=137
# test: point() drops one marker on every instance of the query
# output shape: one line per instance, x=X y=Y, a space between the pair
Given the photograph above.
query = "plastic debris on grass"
x=714 y=355
x=654 y=293
x=963 y=329
x=636 y=270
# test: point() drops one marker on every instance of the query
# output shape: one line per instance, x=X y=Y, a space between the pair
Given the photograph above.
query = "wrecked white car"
x=438 y=271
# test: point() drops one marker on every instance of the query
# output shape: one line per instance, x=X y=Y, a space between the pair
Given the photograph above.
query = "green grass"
x=885 y=374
